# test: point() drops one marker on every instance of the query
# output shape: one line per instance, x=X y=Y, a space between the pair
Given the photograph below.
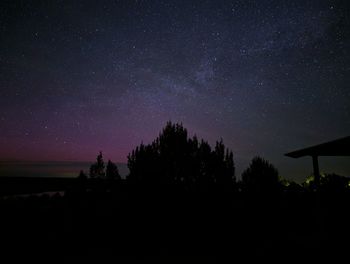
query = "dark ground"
x=127 y=220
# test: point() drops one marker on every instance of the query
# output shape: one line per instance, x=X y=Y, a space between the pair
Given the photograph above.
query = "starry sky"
x=268 y=77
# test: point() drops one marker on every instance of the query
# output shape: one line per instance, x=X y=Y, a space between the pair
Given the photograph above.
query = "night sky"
x=268 y=77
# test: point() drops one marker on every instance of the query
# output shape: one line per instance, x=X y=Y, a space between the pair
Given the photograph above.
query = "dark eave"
x=338 y=147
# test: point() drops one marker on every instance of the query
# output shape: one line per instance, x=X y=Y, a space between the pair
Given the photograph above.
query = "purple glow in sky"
x=268 y=77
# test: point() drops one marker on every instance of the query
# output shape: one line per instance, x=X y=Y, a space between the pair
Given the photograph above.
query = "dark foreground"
x=121 y=220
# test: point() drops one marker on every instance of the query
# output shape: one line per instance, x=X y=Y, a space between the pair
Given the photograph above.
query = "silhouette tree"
x=224 y=165
x=260 y=176
x=174 y=158
x=112 y=171
x=206 y=165
x=291 y=186
x=82 y=175
x=328 y=183
x=334 y=183
x=97 y=170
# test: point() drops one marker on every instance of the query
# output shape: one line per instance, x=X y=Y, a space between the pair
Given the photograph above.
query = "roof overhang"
x=339 y=147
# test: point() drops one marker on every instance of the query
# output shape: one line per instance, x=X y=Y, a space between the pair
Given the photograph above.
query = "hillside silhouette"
x=180 y=198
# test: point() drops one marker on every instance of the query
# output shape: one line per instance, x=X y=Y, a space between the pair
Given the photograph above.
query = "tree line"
x=175 y=158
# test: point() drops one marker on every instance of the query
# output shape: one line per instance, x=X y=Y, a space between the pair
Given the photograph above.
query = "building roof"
x=338 y=147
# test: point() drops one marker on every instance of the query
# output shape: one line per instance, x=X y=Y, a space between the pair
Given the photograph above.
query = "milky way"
x=268 y=77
